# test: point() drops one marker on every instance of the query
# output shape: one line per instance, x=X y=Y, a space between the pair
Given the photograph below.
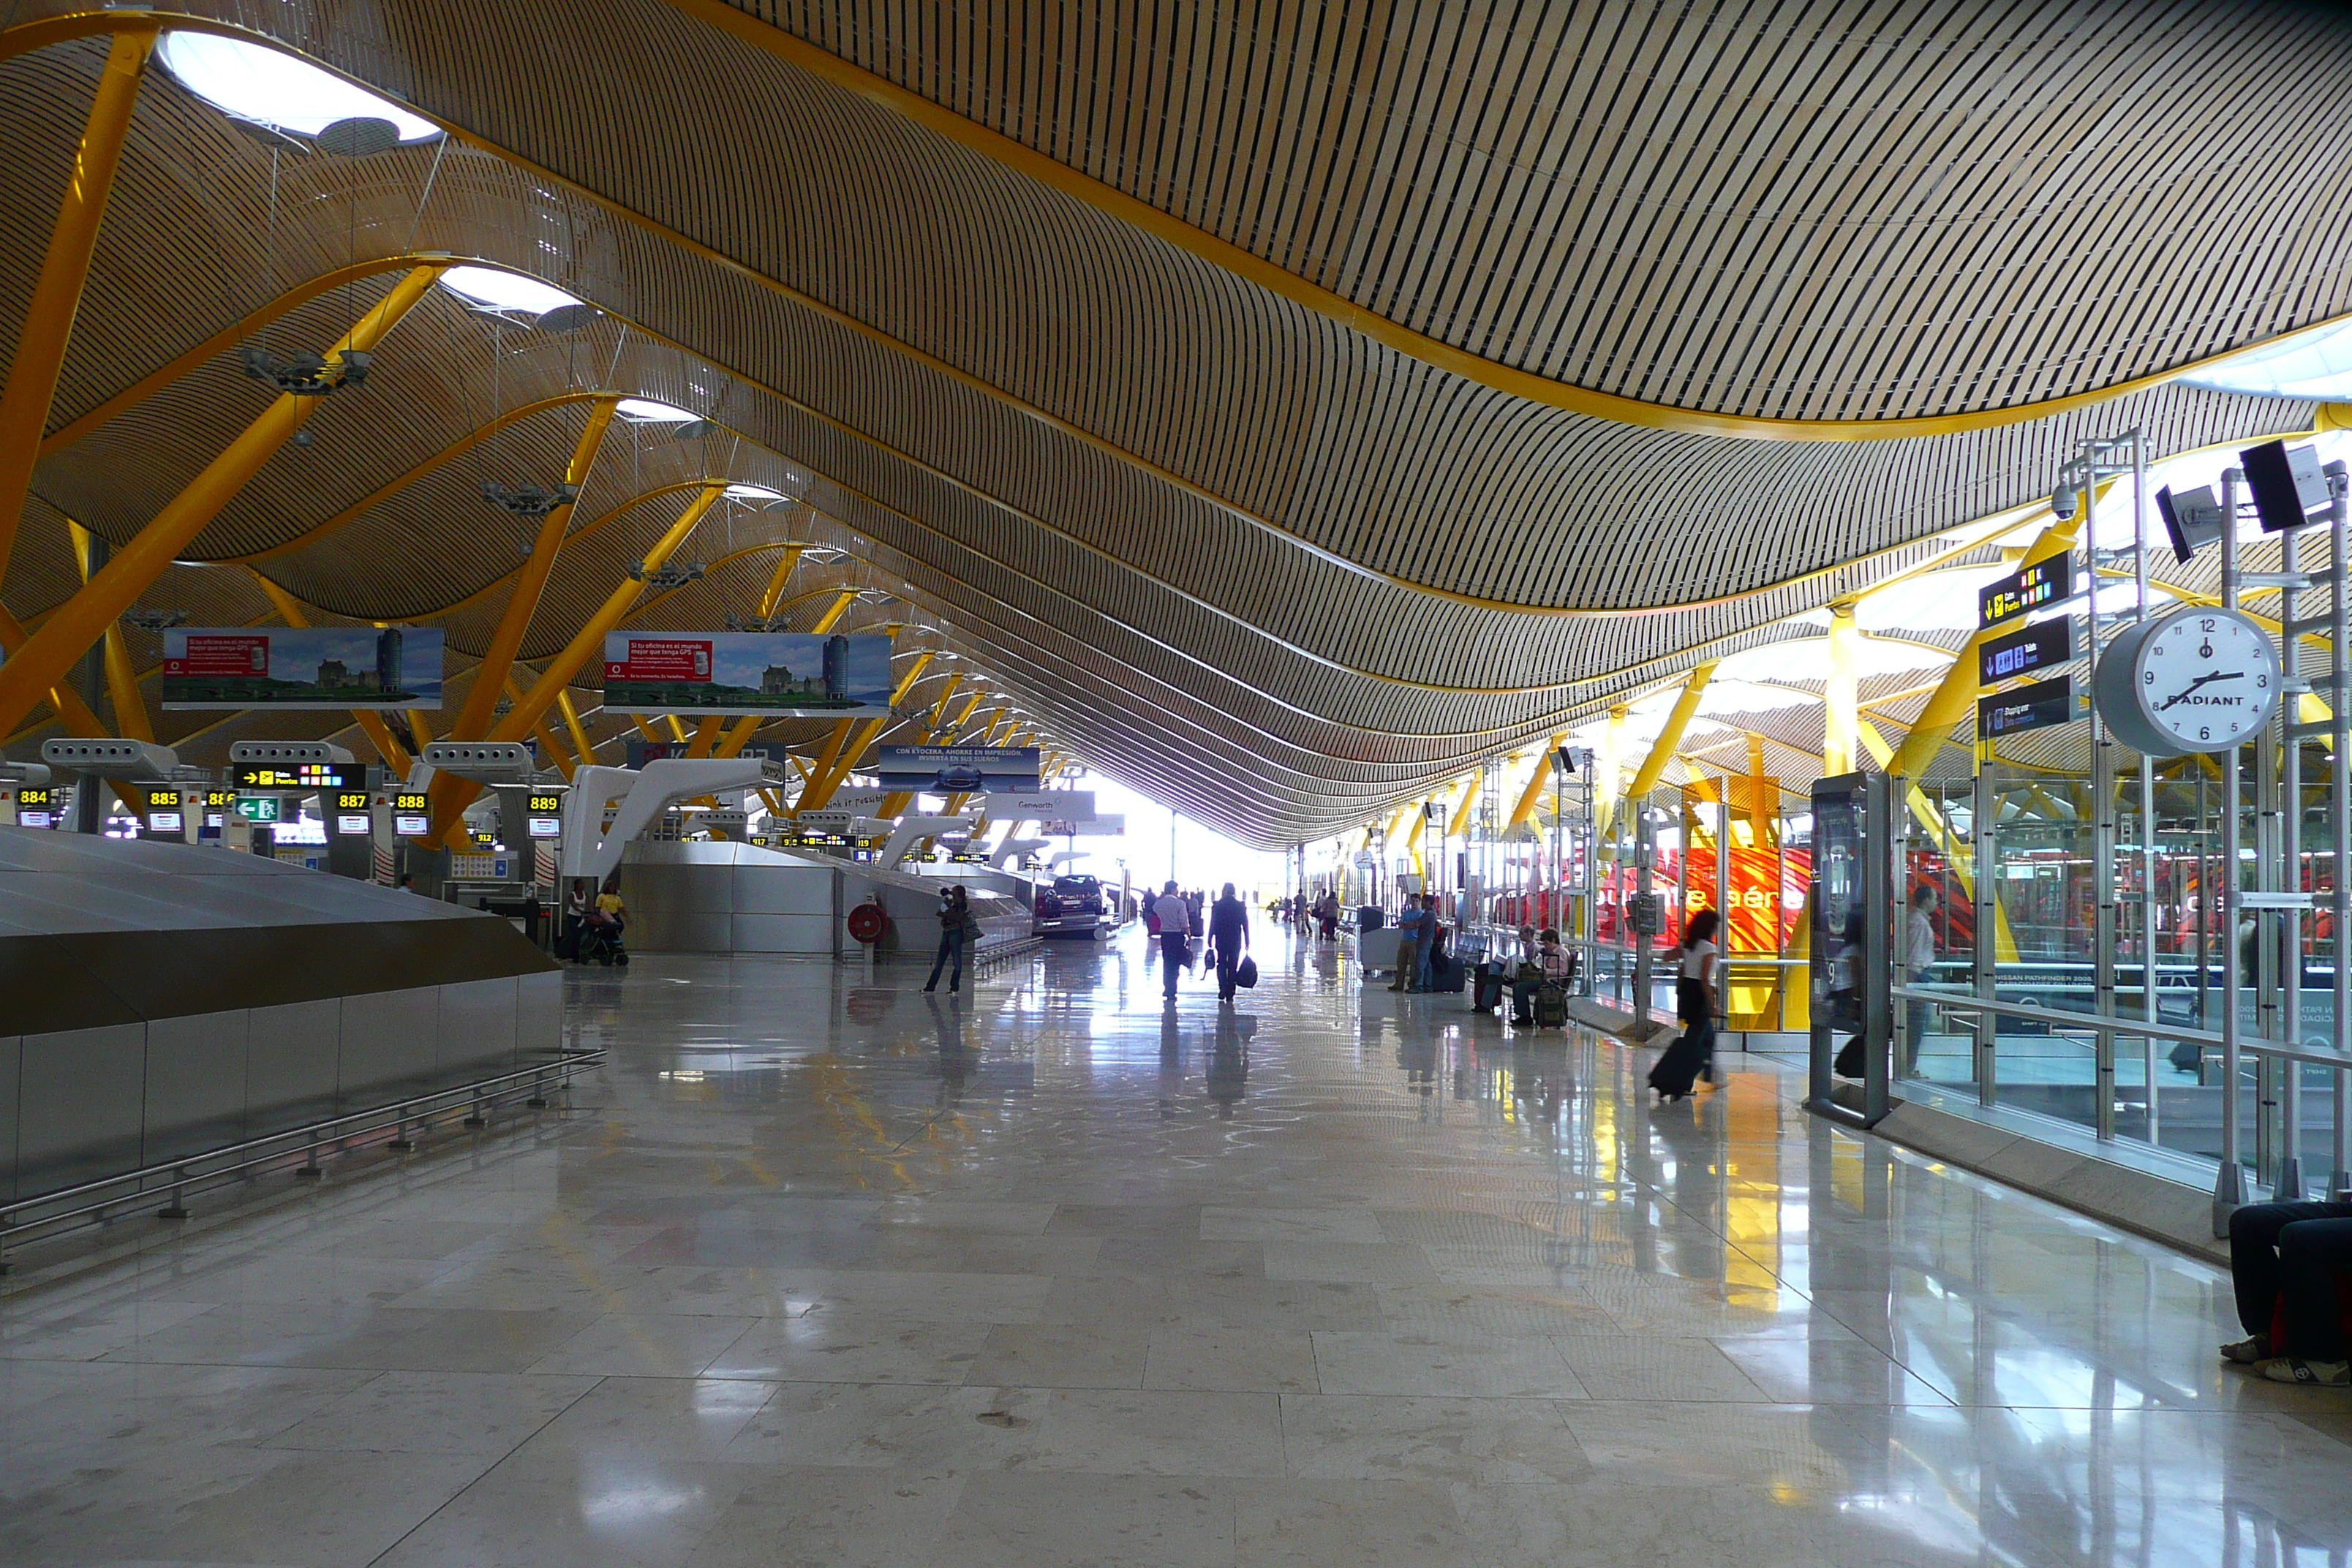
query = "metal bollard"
x=177 y=1208
x=309 y=1170
x=401 y=1144
x=479 y=1118
x=538 y=1101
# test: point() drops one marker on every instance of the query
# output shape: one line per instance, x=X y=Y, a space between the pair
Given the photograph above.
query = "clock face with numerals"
x=2200 y=679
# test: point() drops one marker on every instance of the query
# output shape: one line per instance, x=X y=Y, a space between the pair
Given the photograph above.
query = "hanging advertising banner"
x=1059 y=804
x=772 y=674
x=957 y=770
x=301 y=667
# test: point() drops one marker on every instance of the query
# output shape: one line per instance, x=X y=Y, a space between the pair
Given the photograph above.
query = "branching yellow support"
x=46 y=657
x=57 y=290
x=481 y=699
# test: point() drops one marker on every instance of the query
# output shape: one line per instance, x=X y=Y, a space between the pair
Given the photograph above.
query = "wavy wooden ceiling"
x=1252 y=561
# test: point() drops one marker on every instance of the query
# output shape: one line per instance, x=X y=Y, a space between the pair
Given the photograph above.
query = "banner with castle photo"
x=768 y=673
x=306 y=667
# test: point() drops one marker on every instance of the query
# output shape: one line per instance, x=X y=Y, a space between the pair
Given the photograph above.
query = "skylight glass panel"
x=269 y=88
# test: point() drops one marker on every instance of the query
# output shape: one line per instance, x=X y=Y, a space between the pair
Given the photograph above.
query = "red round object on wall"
x=867 y=922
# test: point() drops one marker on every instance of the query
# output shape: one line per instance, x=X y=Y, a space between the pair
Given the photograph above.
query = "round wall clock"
x=2198 y=678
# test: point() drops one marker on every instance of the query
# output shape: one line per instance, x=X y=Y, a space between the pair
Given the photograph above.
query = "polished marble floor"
x=829 y=1272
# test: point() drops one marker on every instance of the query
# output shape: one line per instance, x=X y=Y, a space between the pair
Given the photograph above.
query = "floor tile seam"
x=487 y=1471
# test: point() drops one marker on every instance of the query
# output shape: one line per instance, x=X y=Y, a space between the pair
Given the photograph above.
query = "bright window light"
x=495 y=290
x=646 y=411
x=1932 y=602
x=1808 y=658
x=752 y=493
x=2316 y=363
x=268 y=88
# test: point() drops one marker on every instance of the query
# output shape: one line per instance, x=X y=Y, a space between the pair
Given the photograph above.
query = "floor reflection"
x=1049 y=1271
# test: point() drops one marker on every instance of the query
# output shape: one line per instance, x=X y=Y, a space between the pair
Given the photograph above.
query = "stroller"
x=600 y=940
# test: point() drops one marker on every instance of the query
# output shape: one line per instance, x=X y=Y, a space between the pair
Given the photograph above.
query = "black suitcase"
x=1677 y=1070
x=1490 y=988
x=1370 y=917
x=1551 y=1007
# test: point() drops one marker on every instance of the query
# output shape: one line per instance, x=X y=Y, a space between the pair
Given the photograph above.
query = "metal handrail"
x=182 y=1176
x=2116 y=1024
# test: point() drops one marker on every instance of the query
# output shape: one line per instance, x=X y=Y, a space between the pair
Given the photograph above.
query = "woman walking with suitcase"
x=1694 y=1053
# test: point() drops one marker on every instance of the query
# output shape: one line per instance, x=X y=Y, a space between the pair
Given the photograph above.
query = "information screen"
x=2034 y=707
x=37 y=807
x=164 y=812
x=412 y=814
x=300 y=775
x=2042 y=645
x=351 y=813
x=2043 y=583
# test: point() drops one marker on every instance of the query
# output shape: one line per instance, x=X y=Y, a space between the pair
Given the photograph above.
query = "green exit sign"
x=258 y=807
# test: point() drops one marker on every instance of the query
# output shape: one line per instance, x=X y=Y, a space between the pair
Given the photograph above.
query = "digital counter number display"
x=545 y=810
x=37 y=805
x=412 y=814
x=2042 y=645
x=2029 y=588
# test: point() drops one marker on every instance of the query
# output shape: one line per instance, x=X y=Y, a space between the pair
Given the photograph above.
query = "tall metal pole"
x=2287 y=1186
x=2148 y=903
x=1984 y=808
x=2103 y=835
x=2340 y=789
x=2229 y=1182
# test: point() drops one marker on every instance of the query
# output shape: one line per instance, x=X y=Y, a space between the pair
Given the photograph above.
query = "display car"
x=1071 y=906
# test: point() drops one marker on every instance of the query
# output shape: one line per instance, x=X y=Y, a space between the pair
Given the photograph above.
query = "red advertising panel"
x=216 y=655
x=662 y=659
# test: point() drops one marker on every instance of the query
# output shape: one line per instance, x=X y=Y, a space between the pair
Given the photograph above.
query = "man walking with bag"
x=1175 y=934
x=1228 y=936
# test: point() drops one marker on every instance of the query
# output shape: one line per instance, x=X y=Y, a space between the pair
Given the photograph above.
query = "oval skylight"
x=752 y=493
x=647 y=410
x=276 y=89
x=492 y=289
x=1808 y=658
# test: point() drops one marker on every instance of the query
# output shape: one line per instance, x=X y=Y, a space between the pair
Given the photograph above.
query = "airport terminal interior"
x=798 y=782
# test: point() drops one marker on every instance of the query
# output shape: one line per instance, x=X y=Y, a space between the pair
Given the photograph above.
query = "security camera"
x=2063 y=501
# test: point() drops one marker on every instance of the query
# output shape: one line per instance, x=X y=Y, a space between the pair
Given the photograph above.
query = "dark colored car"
x=1072 y=906
x=958 y=781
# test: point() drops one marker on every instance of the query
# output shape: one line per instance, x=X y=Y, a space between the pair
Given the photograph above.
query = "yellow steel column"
x=706 y=735
x=371 y=725
x=846 y=763
x=838 y=608
x=1840 y=751
x=587 y=642
x=1661 y=749
x=122 y=681
x=571 y=721
x=57 y=290
x=482 y=698
x=48 y=653
x=1459 y=822
x=820 y=785
x=1533 y=793
x=778 y=578
x=1606 y=779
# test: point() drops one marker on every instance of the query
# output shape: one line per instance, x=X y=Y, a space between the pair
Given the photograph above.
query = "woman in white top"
x=1695 y=985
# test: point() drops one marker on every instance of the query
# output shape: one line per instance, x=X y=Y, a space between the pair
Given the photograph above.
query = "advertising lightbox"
x=305 y=667
x=767 y=673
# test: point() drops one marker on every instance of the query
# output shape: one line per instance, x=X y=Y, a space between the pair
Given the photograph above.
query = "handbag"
x=1245 y=972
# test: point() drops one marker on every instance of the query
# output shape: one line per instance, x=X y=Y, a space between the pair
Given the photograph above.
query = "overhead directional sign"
x=299 y=777
x=2036 y=706
x=2027 y=588
x=2044 y=644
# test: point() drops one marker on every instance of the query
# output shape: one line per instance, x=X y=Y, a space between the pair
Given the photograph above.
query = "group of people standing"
x=1321 y=914
x=1421 y=944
